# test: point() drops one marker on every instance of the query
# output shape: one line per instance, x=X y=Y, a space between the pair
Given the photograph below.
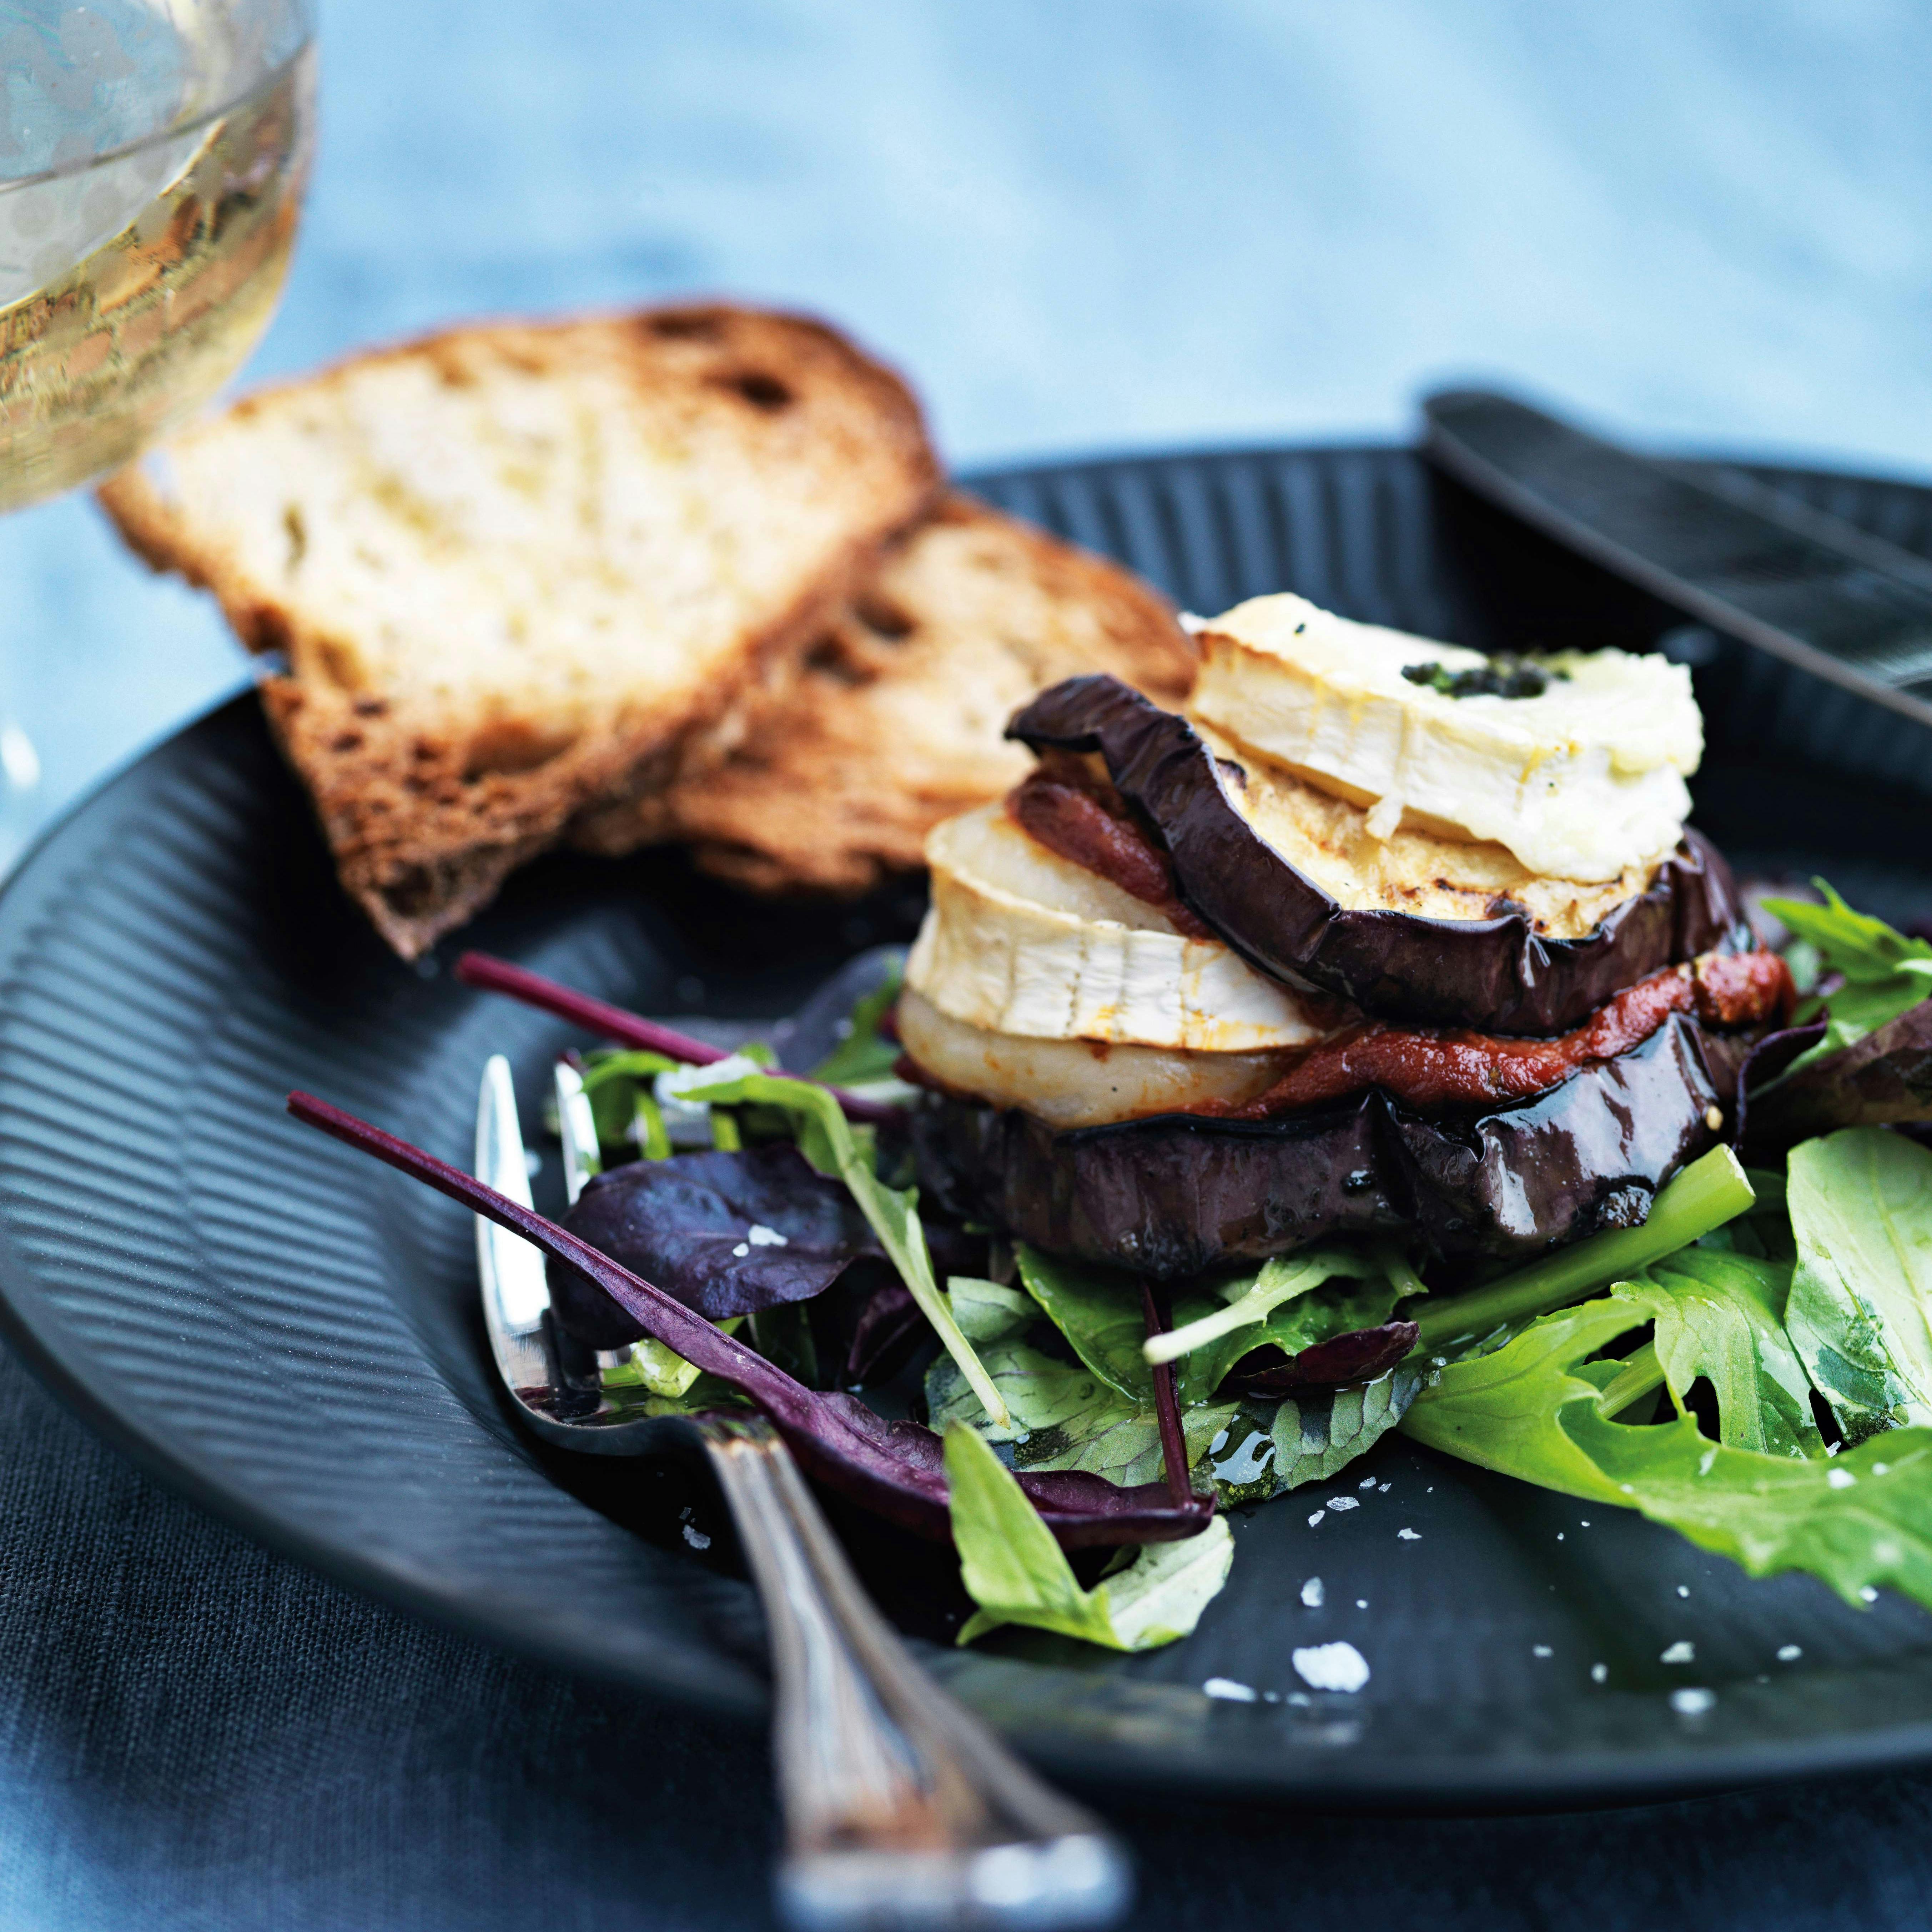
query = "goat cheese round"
x=1580 y=781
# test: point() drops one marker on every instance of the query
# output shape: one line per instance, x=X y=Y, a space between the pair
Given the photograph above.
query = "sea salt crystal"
x=696 y=1537
x=1311 y=1593
x=1331 y=1666
x=1692 y=1703
x=1869 y=1594
x=1226 y=1686
x=1361 y=1603
x=1839 y=1479
x=1342 y=1503
x=1368 y=1483
x=1683 y=1589
x=1788 y=1653
x=760 y=1236
x=1409 y=1535
x=1383 y=1488
x=1600 y=1673
x=1541 y=1650
x=1316 y=1518
x=741 y=1251
x=1682 y=1652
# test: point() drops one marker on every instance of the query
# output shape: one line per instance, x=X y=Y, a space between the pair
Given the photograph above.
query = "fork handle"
x=900 y=1808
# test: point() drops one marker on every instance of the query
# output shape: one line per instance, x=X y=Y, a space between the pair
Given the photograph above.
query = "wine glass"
x=153 y=155
x=152 y=158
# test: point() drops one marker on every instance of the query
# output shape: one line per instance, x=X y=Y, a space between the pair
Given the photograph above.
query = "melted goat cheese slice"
x=1581 y=783
x=1020 y=941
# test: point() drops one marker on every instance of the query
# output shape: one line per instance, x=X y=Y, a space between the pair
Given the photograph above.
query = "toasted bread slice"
x=828 y=776
x=512 y=566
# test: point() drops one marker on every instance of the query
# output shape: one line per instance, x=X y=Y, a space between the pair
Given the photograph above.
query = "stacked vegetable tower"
x=1381 y=938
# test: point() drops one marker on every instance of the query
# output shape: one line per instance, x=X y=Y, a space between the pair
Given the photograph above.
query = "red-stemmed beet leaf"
x=489 y=974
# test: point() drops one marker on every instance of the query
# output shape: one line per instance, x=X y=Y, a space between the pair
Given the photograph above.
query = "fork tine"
x=516 y=1295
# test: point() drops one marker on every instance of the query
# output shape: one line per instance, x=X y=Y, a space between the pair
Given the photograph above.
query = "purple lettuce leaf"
x=1882 y=1080
x=726 y=1233
x=1360 y=1356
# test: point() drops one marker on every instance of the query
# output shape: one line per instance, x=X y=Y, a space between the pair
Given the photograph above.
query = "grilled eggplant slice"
x=1494 y=975
x=1170 y=1196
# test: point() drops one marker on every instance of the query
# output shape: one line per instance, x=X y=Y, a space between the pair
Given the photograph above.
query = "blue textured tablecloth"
x=1087 y=224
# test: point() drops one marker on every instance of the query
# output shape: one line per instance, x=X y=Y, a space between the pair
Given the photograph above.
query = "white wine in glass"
x=153 y=155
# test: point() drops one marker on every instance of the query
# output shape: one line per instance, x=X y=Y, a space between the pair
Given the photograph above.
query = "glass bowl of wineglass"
x=153 y=155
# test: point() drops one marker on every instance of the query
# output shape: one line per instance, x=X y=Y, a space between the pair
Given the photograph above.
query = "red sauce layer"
x=1064 y=807
x=1430 y=1068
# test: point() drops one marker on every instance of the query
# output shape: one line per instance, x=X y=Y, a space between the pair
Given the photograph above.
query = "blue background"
x=1080 y=225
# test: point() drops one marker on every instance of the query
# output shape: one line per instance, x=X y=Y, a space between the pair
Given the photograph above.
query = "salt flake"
x=760 y=1236
x=1331 y=1666
x=1342 y=1503
x=1682 y=1652
x=1311 y=1593
x=1839 y=1479
x=1409 y=1535
x=1316 y=1518
x=1226 y=1686
x=1788 y=1653
x=1692 y=1703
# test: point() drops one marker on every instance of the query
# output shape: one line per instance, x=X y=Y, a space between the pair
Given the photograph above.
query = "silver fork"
x=900 y=1808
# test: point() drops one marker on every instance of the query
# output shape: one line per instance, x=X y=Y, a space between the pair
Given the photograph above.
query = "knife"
x=1735 y=555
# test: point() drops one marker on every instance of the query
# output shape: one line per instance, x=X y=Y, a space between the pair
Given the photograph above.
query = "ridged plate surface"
x=289 y=1333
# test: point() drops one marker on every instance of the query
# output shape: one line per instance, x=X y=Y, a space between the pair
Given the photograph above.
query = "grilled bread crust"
x=827 y=774
x=509 y=567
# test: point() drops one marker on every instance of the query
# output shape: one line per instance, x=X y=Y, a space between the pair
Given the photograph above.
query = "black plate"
x=289 y=1333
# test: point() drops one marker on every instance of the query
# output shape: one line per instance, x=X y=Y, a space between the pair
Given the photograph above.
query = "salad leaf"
x=1098 y=1310
x=618 y=1085
x=1533 y=1408
x=1348 y=1307
x=1068 y=1417
x=1251 y=1300
x=1269 y=1448
x=1499 y=1411
x=1064 y=1417
x=1861 y=1307
x=865 y=1054
x=1854 y=1522
x=1015 y=1571
x=826 y=1140
x=727 y=1233
x=1885 y=1077
x=1884 y=973
x=1721 y=1315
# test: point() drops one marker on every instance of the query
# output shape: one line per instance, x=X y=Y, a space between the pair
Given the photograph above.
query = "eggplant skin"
x=1173 y=1195
x=1494 y=975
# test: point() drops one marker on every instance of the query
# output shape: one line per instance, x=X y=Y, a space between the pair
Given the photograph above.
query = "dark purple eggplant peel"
x=896 y=1469
x=1170 y=1196
x=1493 y=975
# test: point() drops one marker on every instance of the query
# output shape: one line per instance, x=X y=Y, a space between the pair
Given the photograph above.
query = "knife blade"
x=1737 y=555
